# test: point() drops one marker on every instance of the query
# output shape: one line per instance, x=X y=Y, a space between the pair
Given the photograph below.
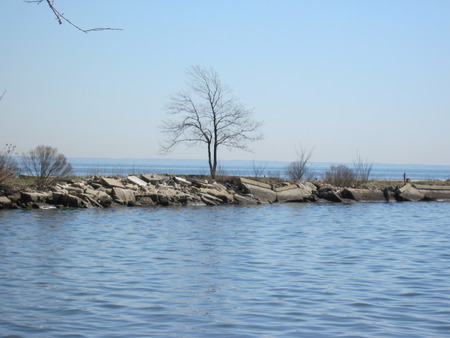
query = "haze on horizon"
x=338 y=77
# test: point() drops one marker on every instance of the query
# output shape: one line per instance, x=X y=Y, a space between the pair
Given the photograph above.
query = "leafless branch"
x=61 y=18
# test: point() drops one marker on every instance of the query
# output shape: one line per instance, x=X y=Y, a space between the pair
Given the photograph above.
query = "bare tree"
x=258 y=169
x=46 y=166
x=208 y=115
x=60 y=17
x=363 y=168
x=299 y=169
x=2 y=94
x=8 y=165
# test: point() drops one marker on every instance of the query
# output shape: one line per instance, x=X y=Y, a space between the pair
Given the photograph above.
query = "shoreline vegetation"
x=197 y=190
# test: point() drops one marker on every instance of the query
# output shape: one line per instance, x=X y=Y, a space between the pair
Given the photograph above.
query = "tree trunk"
x=212 y=166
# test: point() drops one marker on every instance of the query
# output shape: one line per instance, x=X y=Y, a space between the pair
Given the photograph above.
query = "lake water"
x=124 y=166
x=287 y=270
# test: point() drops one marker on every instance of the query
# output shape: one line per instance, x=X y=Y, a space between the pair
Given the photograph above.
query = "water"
x=108 y=166
x=287 y=270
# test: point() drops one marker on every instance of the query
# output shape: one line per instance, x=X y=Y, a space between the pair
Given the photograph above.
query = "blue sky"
x=338 y=77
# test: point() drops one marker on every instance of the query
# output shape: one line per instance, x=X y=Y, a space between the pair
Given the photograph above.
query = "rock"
x=124 y=196
x=111 y=182
x=5 y=202
x=330 y=195
x=210 y=200
x=67 y=200
x=434 y=192
x=293 y=195
x=363 y=195
x=244 y=200
x=220 y=192
x=182 y=181
x=409 y=194
x=263 y=195
x=145 y=201
x=153 y=178
x=247 y=182
x=136 y=180
x=286 y=187
x=34 y=197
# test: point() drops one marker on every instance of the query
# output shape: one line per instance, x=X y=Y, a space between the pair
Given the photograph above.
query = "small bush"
x=9 y=168
x=340 y=176
x=46 y=166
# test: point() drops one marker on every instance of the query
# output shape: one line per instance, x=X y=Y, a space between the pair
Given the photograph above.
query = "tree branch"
x=60 y=17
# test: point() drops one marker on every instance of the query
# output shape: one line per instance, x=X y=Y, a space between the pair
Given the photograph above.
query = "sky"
x=340 y=78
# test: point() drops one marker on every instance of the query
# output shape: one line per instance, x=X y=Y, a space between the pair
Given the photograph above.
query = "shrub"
x=46 y=166
x=8 y=165
x=340 y=176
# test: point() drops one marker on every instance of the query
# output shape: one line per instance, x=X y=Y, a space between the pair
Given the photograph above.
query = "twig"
x=60 y=17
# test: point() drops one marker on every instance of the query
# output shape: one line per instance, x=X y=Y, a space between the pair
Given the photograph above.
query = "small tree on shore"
x=46 y=165
x=9 y=168
x=299 y=169
x=208 y=115
x=363 y=168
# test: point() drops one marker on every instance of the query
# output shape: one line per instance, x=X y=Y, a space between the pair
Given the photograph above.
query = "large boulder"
x=293 y=193
x=124 y=196
x=136 y=180
x=261 y=191
x=364 y=195
x=435 y=192
x=67 y=200
x=154 y=178
x=35 y=197
x=263 y=195
x=5 y=202
x=111 y=182
x=409 y=194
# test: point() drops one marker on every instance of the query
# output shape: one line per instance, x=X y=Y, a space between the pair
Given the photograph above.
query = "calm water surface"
x=297 y=270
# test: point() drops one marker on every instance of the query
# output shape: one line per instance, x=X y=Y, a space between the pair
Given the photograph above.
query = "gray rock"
x=363 y=195
x=263 y=195
x=293 y=195
x=5 y=202
x=153 y=178
x=34 y=197
x=244 y=200
x=136 y=180
x=124 y=196
x=409 y=194
x=111 y=182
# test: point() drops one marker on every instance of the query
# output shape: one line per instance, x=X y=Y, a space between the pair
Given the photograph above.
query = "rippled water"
x=276 y=270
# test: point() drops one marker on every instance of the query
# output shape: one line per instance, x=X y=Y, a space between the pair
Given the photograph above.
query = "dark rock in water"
x=331 y=196
x=34 y=197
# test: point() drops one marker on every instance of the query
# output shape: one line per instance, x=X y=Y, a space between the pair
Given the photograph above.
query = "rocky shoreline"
x=169 y=190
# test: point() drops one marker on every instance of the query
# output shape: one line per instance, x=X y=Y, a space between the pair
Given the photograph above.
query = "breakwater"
x=170 y=190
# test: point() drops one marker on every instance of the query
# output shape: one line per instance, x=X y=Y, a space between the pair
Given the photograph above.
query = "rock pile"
x=167 y=190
